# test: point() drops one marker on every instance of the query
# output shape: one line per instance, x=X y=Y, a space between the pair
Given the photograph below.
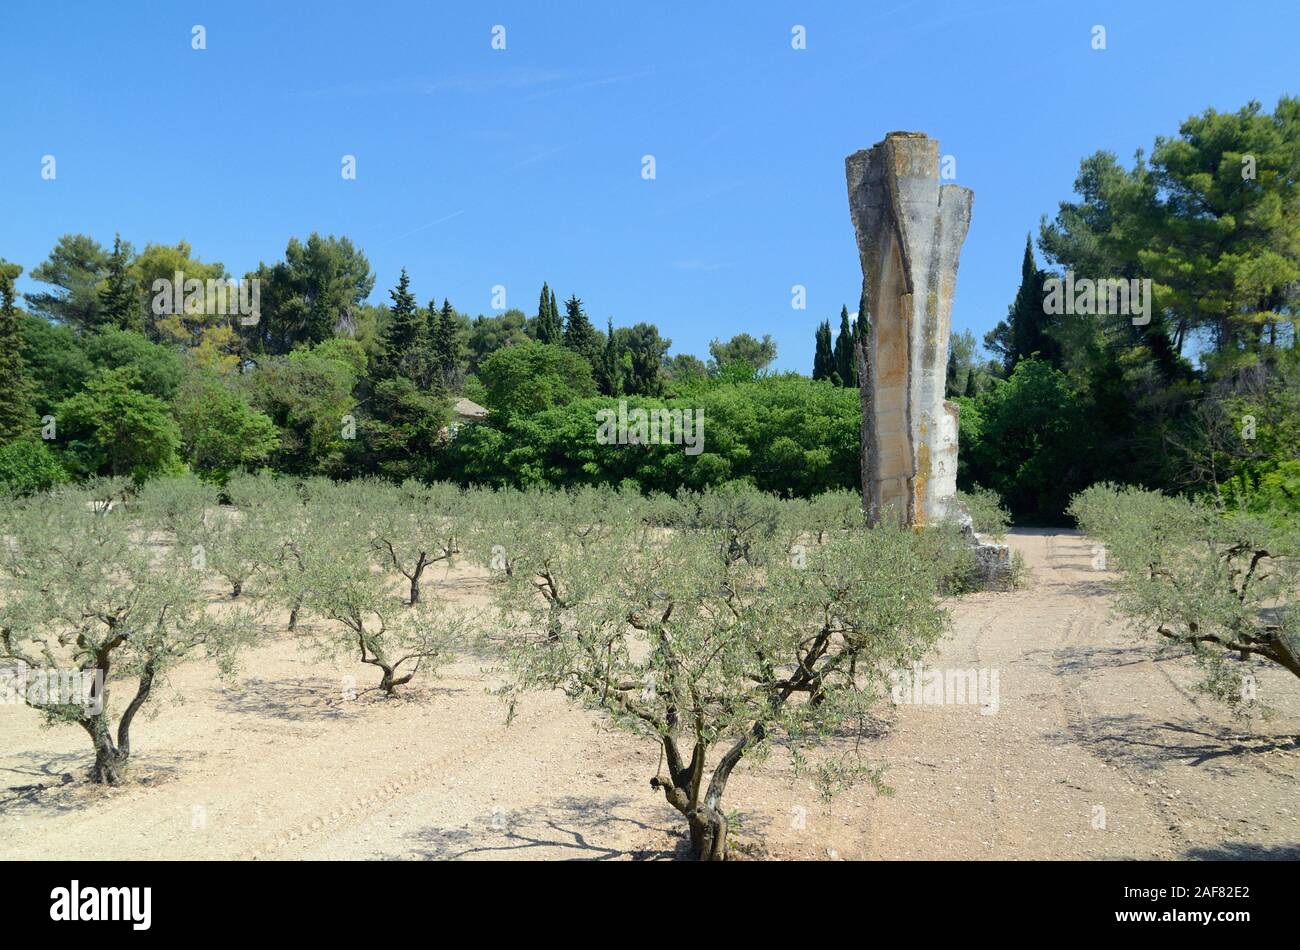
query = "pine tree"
x=548 y=326
x=17 y=391
x=579 y=334
x=823 y=356
x=406 y=331
x=446 y=344
x=119 y=297
x=845 y=365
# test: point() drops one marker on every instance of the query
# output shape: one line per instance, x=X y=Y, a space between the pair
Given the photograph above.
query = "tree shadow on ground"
x=866 y=731
x=1075 y=660
x=1135 y=741
x=296 y=700
x=1244 y=851
x=1103 y=587
x=63 y=781
x=572 y=828
x=50 y=772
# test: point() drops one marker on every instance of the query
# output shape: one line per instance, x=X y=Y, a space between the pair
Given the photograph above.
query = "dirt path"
x=1098 y=748
x=1094 y=749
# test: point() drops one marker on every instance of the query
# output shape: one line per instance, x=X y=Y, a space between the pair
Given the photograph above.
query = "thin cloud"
x=424 y=227
x=696 y=264
x=481 y=82
x=545 y=153
x=593 y=84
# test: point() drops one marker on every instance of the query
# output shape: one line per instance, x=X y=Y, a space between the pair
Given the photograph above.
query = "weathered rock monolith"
x=910 y=230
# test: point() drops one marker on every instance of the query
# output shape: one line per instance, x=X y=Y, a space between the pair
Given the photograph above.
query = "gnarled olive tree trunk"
x=684 y=789
x=111 y=757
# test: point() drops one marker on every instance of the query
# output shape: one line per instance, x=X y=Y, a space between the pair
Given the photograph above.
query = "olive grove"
x=721 y=625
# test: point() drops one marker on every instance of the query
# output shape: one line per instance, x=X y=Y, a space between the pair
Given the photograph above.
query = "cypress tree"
x=823 y=356
x=579 y=334
x=548 y=328
x=950 y=376
x=1025 y=331
x=118 y=297
x=861 y=331
x=17 y=391
x=843 y=353
x=610 y=373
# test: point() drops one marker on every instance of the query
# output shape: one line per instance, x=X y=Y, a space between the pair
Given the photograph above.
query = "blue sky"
x=478 y=167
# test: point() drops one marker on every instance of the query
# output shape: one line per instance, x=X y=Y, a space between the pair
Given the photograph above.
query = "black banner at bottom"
x=364 y=899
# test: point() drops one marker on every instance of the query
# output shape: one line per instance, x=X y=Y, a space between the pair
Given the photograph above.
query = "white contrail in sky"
x=448 y=217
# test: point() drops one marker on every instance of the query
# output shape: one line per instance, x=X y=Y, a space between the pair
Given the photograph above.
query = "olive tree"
x=238 y=544
x=333 y=579
x=85 y=600
x=833 y=511
x=176 y=506
x=714 y=643
x=235 y=541
x=736 y=516
x=530 y=540
x=1220 y=586
x=277 y=506
x=413 y=526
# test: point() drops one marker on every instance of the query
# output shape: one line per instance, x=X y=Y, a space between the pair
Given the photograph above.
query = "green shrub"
x=28 y=466
x=986 y=512
x=786 y=435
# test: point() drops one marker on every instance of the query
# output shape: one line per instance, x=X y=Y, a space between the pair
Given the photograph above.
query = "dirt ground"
x=1095 y=749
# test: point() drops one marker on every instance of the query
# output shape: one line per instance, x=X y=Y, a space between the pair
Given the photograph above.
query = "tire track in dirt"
x=1039 y=782
x=364 y=806
x=1084 y=630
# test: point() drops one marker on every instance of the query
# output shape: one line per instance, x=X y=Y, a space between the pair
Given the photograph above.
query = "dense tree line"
x=100 y=380
x=784 y=434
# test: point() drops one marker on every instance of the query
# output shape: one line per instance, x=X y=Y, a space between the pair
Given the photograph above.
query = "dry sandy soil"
x=1097 y=749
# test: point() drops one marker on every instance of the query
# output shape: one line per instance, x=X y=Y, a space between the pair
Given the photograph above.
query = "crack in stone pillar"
x=909 y=230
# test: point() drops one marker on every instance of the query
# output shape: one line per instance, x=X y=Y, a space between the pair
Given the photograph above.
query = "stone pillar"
x=910 y=229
